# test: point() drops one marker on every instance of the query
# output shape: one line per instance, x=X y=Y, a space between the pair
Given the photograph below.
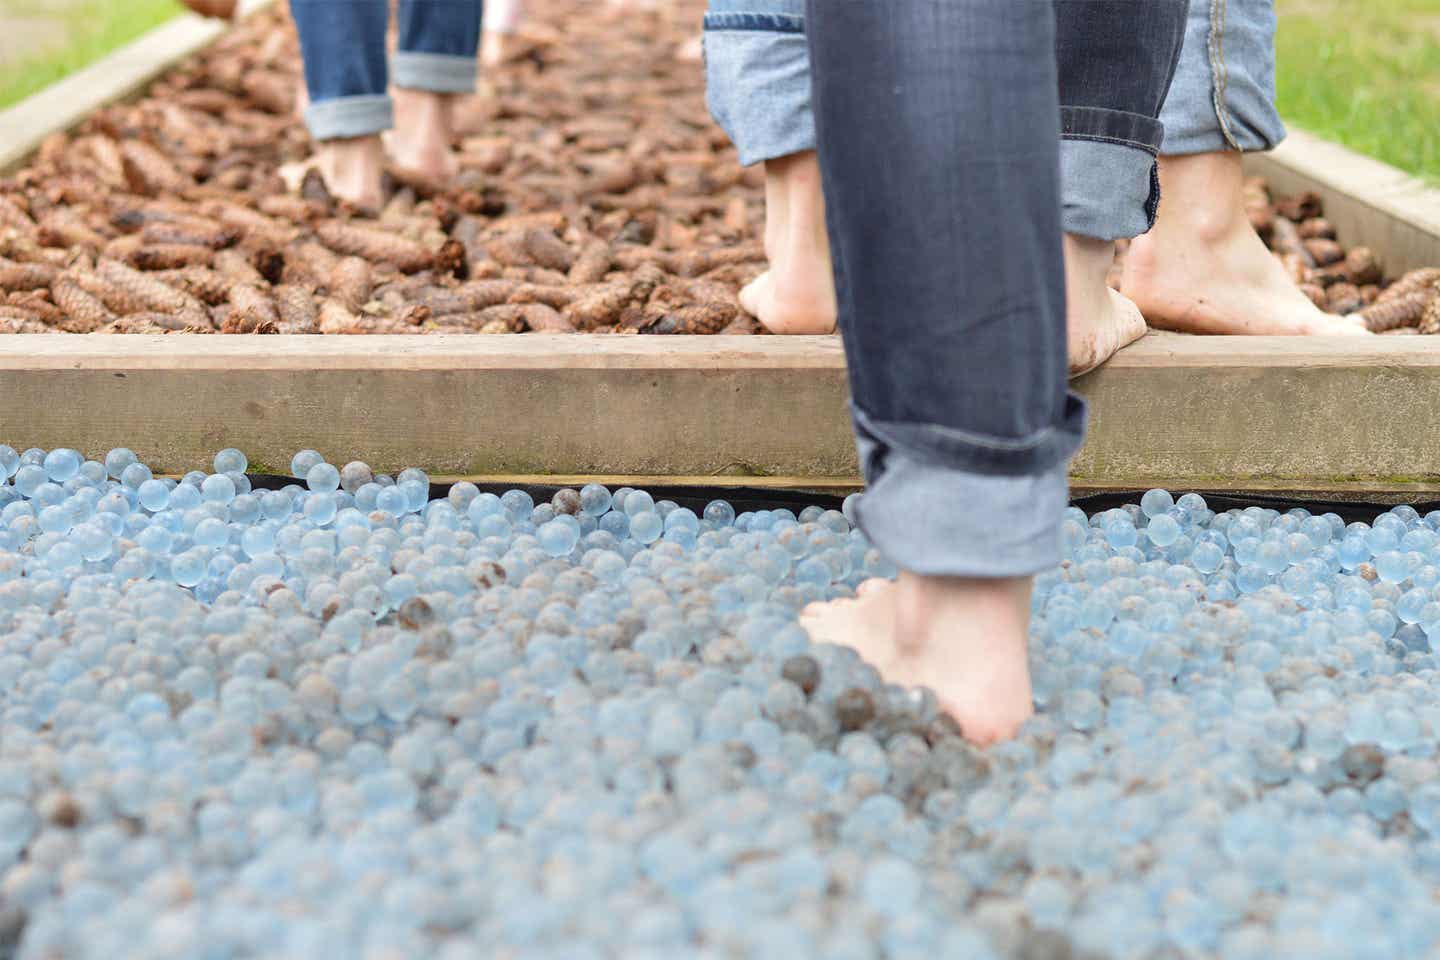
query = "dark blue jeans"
x=938 y=126
x=343 y=45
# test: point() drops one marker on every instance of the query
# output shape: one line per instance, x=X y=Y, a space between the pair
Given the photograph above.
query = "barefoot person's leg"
x=1115 y=60
x=343 y=46
x=1203 y=269
x=434 y=63
x=758 y=89
x=502 y=21
x=945 y=223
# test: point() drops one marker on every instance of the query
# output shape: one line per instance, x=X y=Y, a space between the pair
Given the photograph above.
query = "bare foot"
x=1203 y=269
x=420 y=142
x=797 y=294
x=692 y=50
x=351 y=169
x=1100 y=322
x=963 y=638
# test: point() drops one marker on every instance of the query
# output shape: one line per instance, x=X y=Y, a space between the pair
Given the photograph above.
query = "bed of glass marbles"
x=343 y=719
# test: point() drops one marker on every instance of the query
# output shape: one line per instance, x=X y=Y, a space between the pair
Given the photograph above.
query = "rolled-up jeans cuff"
x=943 y=522
x=1201 y=138
x=1223 y=94
x=435 y=72
x=757 y=83
x=942 y=502
x=1109 y=185
x=1107 y=190
x=345 y=117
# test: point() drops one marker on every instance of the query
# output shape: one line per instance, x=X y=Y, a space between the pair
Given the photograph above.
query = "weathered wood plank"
x=1220 y=413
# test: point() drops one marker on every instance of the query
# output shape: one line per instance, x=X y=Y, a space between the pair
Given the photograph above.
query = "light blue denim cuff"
x=757 y=72
x=942 y=522
x=346 y=117
x=1108 y=190
x=1223 y=94
x=434 y=72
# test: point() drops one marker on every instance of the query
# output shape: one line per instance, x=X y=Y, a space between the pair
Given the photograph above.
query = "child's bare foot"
x=797 y=294
x=1203 y=269
x=1099 y=321
x=351 y=169
x=963 y=638
x=420 y=142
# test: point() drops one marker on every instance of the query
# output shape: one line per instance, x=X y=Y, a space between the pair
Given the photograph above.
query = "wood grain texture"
x=1219 y=413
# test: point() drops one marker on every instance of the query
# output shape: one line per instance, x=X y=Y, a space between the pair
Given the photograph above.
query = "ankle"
x=424 y=118
x=1202 y=198
x=1001 y=601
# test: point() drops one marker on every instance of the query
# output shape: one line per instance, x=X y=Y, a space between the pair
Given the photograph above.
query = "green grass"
x=1365 y=73
x=58 y=37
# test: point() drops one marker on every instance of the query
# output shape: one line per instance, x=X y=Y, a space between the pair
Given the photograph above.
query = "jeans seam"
x=754 y=22
x=1218 y=13
x=1118 y=141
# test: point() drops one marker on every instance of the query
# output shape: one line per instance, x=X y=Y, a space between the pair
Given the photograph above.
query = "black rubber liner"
x=765 y=498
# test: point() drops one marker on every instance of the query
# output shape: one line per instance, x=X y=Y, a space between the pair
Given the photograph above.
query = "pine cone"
x=146 y=292
x=1403 y=312
x=1316 y=228
x=236 y=267
x=1343 y=298
x=1430 y=319
x=251 y=311
x=150 y=172
x=200 y=282
x=1324 y=252
x=1300 y=207
x=1415 y=281
x=25 y=276
x=9 y=324
x=600 y=307
x=351 y=283
x=12 y=216
x=83 y=312
x=1361 y=266
x=296 y=306
x=548 y=250
x=193 y=232
x=375 y=246
x=593 y=263
x=335 y=317
x=700 y=318
x=170 y=256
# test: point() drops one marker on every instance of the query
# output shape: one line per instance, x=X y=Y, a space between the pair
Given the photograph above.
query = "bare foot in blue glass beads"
x=964 y=638
x=1099 y=321
x=797 y=294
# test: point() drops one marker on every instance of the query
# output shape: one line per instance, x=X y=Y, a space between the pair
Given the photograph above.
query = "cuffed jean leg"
x=343 y=45
x=757 y=76
x=1223 y=97
x=1115 y=60
x=438 y=39
x=938 y=140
